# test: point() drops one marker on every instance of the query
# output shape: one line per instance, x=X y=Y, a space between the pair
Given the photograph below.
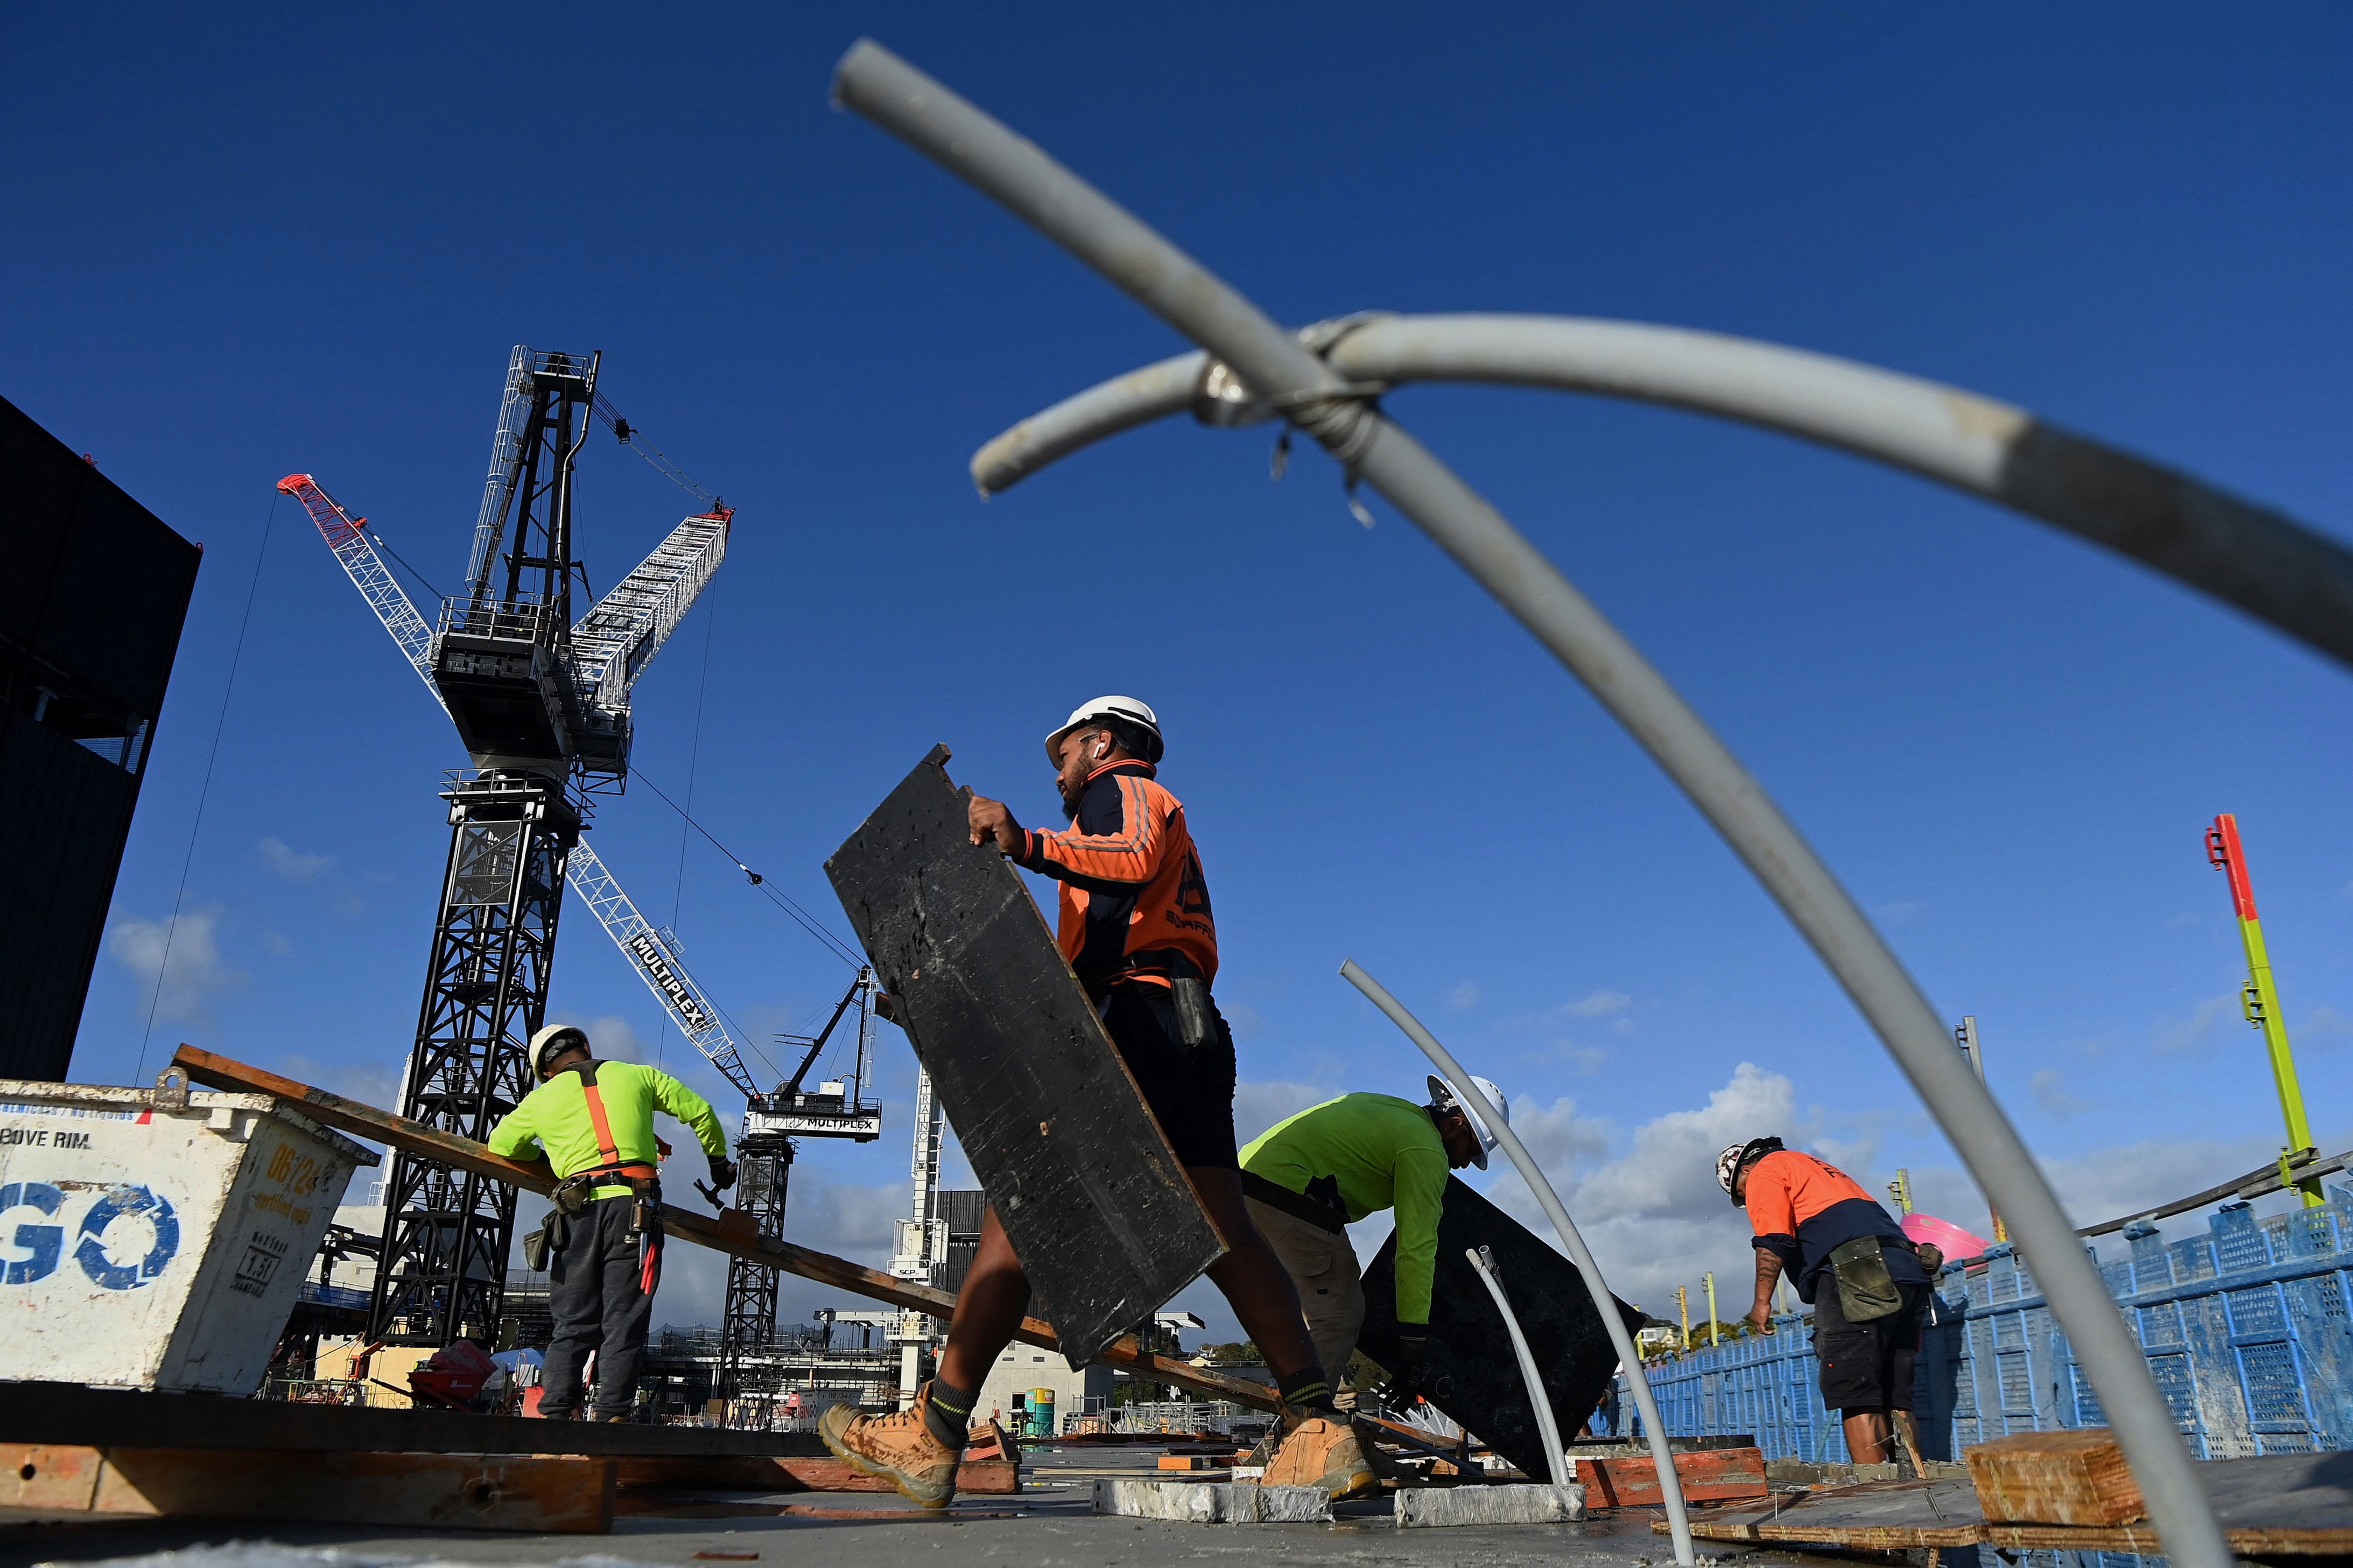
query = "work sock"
x=1305 y=1393
x=947 y=1414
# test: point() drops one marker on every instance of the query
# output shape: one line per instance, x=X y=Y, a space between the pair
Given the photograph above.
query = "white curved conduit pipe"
x=1375 y=448
x=1654 y=1426
x=2279 y=570
x=1548 y=1429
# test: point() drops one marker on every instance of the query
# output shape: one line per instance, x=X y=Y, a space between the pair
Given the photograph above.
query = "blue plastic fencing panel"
x=2248 y=1329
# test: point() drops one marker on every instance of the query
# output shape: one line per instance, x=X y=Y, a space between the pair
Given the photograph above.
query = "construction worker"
x=1135 y=923
x=1307 y=1179
x=1852 y=1262
x=593 y=1121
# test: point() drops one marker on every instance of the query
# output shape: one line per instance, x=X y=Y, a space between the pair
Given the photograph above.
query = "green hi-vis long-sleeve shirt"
x=555 y=1116
x=1385 y=1152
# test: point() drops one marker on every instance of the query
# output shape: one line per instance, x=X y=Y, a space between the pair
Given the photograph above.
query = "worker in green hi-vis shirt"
x=601 y=1245
x=1307 y=1179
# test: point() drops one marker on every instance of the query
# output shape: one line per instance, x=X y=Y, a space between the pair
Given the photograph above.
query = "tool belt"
x=1197 y=1016
x=1310 y=1205
x=1866 y=1292
x=575 y=1191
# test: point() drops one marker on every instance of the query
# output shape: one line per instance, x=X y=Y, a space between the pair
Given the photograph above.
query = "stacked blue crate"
x=2248 y=1329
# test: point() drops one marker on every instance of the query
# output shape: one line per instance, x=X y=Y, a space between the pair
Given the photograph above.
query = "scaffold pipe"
x=1369 y=446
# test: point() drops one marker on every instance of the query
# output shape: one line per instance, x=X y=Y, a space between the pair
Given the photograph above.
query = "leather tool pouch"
x=645 y=1206
x=571 y=1195
x=542 y=1244
x=1866 y=1291
x=1196 y=1017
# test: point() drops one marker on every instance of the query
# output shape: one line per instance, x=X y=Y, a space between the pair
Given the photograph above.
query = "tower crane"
x=542 y=705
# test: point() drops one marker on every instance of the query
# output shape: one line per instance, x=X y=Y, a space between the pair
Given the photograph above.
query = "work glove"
x=722 y=1172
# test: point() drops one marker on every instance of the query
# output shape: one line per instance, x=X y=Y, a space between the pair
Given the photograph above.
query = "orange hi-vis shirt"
x=1133 y=898
x=1802 y=1208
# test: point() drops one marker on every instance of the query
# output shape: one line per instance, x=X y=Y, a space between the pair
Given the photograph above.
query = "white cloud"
x=2194 y=1036
x=292 y=864
x=1653 y=1215
x=1259 y=1106
x=1594 y=1003
x=2326 y=1030
x=1584 y=1060
x=614 y=1040
x=186 y=952
x=2051 y=1093
x=1464 y=995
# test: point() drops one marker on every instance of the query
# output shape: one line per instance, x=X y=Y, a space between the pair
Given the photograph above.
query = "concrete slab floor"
x=1052 y=1525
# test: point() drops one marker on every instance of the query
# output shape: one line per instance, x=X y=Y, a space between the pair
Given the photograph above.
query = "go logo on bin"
x=44 y=1245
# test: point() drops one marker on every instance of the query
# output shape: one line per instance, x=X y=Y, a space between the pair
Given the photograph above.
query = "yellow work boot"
x=900 y=1448
x=1322 y=1453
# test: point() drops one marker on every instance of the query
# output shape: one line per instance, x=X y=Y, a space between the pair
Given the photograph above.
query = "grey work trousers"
x=596 y=1297
x=1322 y=1266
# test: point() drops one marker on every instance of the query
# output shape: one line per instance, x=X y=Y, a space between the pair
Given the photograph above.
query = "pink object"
x=1946 y=1237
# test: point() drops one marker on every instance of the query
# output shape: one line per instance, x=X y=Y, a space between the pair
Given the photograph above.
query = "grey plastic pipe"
x=2275 y=568
x=1548 y=1429
x=1638 y=1381
x=1280 y=371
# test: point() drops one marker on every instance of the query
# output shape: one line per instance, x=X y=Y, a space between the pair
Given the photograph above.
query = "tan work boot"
x=1323 y=1454
x=899 y=1448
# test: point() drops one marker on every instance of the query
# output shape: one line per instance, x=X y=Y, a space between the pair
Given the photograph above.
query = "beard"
x=1072 y=790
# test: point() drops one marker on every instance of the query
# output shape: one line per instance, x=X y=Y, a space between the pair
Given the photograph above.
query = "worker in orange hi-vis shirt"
x=1852 y=1260
x=1136 y=925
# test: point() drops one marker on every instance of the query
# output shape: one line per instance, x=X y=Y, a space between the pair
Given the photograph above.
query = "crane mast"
x=542 y=708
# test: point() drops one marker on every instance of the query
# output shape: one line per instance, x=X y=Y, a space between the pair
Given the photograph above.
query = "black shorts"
x=1191 y=1093
x=1866 y=1366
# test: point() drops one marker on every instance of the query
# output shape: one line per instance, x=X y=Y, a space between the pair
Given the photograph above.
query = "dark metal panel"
x=1105 y=1221
x=1473 y=1376
x=122 y=590
x=64 y=815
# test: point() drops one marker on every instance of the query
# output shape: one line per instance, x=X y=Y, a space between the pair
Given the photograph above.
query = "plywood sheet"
x=1473 y=1376
x=1106 y=1224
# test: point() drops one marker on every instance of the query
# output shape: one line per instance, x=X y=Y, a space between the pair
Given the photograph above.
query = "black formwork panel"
x=1106 y=1224
x=93 y=590
x=1472 y=1374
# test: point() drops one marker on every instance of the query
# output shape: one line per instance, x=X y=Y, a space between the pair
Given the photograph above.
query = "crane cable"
x=602 y=407
x=203 y=792
x=807 y=922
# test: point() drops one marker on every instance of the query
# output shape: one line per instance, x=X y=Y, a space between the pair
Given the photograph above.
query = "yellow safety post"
x=1715 y=1335
x=1683 y=1309
x=1900 y=1189
x=1965 y=1036
x=2260 y=1000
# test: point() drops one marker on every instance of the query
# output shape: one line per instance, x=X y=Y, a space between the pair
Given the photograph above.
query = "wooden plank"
x=1877 y=1516
x=2077 y=1477
x=51 y=1477
x=1717 y=1475
x=983 y=1477
x=1107 y=1225
x=1472 y=1374
x=730 y=1232
x=71 y=1412
x=540 y=1495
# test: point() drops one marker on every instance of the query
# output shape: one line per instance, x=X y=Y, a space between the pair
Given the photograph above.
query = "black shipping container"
x=93 y=590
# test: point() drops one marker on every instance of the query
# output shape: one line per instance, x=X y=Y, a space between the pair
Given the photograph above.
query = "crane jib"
x=648 y=952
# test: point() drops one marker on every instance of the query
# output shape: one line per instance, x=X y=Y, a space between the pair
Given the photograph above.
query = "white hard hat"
x=1728 y=1163
x=554 y=1040
x=1442 y=1095
x=1125 y=708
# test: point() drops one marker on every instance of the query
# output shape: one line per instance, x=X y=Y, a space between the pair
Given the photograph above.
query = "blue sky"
x=292 y=239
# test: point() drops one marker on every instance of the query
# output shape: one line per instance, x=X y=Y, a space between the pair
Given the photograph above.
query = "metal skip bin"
x=156 y=1238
